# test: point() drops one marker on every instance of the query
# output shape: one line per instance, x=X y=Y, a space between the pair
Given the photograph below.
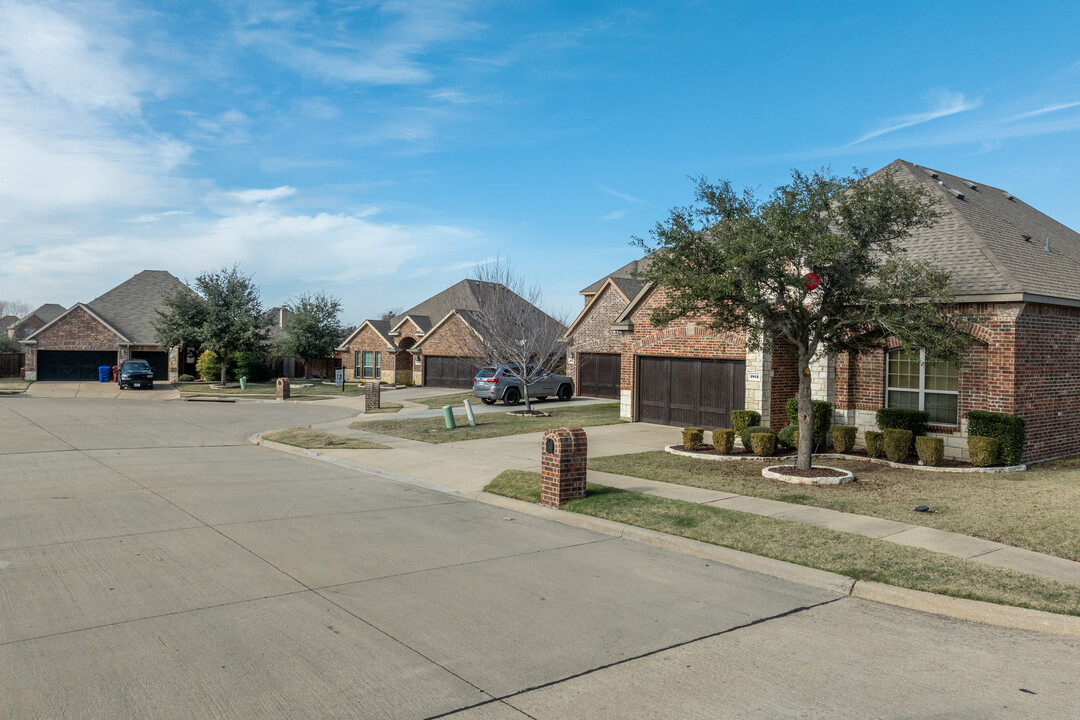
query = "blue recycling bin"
x=103 y=373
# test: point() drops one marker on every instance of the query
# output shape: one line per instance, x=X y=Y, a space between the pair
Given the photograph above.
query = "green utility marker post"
x=469 y=413
x=448 y=415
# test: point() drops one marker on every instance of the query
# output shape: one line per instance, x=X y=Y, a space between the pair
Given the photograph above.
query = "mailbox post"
x=563 y=455
x=283 y=391
x=372 y=396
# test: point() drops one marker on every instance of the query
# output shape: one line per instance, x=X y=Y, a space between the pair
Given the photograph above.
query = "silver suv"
x=493 y=383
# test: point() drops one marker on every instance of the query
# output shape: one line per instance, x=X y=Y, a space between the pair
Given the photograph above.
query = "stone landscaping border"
x=776 y=473
x=841 y=456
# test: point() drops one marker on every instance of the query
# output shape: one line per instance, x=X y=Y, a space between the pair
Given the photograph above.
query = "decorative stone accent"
x=283 y=389
x=563 y=455
x=372 y=396
x=776 y=472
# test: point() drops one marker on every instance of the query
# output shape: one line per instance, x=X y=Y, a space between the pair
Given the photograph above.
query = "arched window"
x=915 y=384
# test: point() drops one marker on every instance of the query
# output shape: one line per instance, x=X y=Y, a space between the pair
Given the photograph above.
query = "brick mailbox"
x=563 y=454
x=372 y=396
x=283 y=391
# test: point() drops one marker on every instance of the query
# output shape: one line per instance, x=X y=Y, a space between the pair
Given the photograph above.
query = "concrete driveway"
x=152 y=563
x=100 y=390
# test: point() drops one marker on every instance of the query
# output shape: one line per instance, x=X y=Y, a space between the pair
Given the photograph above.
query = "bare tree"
x=511 y=328
x=390 y=313
x=14 y=307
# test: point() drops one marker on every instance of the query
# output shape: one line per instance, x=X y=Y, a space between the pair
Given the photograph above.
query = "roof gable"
x=610 y=286
x=75 y=308
x=380 y=327
x=990 y=241
x=132 y=306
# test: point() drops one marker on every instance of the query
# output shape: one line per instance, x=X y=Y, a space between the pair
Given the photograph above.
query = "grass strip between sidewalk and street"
x=385 y=408
x=1034 y=510
x=854 y=556
x=13 y=385
x=316 y=390
x=491 y=424
x=306 y=437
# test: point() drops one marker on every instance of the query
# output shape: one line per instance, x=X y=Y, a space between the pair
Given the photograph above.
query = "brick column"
x=283 y=389
x=373 y=396
x=563 y=454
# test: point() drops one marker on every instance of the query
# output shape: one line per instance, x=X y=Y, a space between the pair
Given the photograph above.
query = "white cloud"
x=263 y=196
x=622 y=196
x=947 y=103
x=613 y=215
x=1042 y=111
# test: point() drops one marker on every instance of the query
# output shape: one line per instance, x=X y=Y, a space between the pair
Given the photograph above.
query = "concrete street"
x=155 y=564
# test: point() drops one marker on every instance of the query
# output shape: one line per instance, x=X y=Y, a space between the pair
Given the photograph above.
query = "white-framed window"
x=370 y=363
x=913 y=383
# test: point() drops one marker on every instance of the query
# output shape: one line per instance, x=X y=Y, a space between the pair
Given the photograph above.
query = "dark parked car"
x=494 y=383
x=135 y=373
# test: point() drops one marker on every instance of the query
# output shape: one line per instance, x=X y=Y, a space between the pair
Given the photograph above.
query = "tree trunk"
x=528 y=405
x=224 y=367
x=806 y=415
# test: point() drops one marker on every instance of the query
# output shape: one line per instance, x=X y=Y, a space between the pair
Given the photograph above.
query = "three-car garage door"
x=449 y=371
x=690 y=392
x=599 y=374
x=72 y=364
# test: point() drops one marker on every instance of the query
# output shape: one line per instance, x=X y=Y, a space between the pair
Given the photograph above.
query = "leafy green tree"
x=745 y=266
x=313 y=329
x=9 y=345
x=223 y=316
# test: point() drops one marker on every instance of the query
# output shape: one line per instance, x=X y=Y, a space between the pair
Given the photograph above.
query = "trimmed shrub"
x=984 y=451
x=914 y=420
x=252 y=365
x=843 y=438
x=786 y=437
x=185 y=378
x=1010 y=430
x=931 y=450
x=874 y=447
x=897 y=444
x=692 y=437
x=822 y=416
x=209 y=366
x=763 y=443
x=723 y=439
x=745 y=434
x=742 y=419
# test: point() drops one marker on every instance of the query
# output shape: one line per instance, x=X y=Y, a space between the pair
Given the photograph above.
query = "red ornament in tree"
x=812 y=281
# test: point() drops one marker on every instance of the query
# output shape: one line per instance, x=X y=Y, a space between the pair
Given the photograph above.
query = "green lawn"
x=385 y=408
x=847 y=554
x=305 y=437
x=489 y=425
x=1037 y=509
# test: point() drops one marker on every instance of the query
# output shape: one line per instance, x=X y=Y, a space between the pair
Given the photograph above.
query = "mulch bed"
x=706 y=449
x=913 y=460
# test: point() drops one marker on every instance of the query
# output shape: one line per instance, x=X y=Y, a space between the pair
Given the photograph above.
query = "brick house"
x=20 y=328
x=429 y=344
x=1011 y=264
x=116 y=326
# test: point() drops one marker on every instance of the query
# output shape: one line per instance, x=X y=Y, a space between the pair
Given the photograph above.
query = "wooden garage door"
x=690 y=392
x=72 y=364
x=449 y=371
x=599 y=374
x=159 y=362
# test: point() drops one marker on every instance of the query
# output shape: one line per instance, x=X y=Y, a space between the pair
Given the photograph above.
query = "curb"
x=1005 y=616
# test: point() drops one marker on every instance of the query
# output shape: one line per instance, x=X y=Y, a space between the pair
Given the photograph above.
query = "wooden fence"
x=11 y=364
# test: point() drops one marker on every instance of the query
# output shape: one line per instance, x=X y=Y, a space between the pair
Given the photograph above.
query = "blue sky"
x=378 y=151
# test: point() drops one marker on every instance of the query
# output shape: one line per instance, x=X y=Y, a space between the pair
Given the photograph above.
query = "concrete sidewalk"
x=468 y=466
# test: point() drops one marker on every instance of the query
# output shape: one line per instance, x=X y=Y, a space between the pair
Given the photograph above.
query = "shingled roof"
x=131 y=307
x=623 y=278
x=460 y=296
x=992 y=242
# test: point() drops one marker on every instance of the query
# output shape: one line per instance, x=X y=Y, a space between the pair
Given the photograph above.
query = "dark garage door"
x=689 y=392
x=449 y=371
x=599 y=375
x=72 y=364
x=159 y=362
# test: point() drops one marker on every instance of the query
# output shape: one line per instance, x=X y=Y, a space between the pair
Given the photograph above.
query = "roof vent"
x=957 y=193
x=1010 y=197
x=1027 y=238
x=973 y=186
x=1047 y=243
x=932 y=174
x=939 y=182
